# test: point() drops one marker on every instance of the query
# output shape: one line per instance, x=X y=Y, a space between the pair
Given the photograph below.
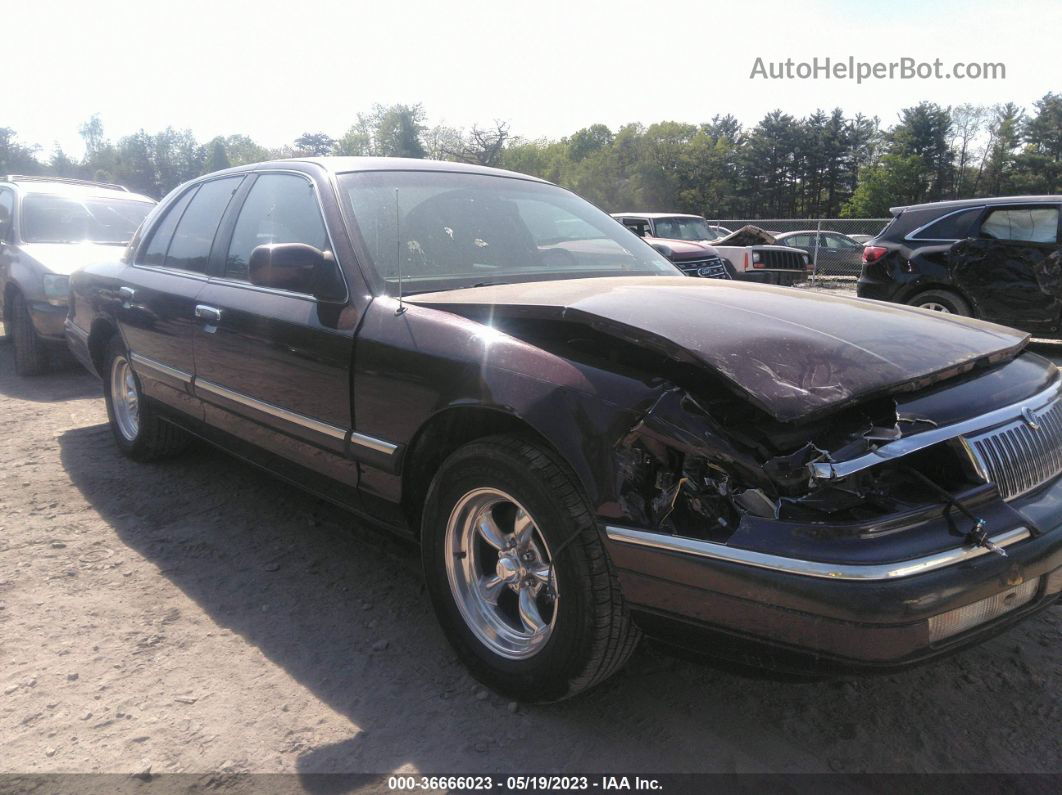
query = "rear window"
x=953 y=226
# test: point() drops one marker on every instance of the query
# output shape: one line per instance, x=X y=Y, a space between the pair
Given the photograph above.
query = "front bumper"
x=851 y=621
x=48 y=320
x=785 y=278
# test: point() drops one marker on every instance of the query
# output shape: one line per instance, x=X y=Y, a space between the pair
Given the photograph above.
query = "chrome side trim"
x=379 y=445
x=809 y=568
x=295 y=418
x=158 y=367
x=309 y=423
x=830 y=470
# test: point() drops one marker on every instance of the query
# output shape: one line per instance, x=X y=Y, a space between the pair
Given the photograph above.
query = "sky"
x=272 y=70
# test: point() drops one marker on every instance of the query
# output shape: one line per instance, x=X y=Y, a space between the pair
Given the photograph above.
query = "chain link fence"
x=835 y=244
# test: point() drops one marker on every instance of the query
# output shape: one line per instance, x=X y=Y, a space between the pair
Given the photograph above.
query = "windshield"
x=63 y=219
x=465 y=230
x=684 y=229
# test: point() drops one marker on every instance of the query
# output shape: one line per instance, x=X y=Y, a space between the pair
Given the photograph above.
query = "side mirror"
x=297 y=268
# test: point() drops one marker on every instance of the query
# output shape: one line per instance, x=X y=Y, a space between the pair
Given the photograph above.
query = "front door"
x=158 y=293
x=1011 y=269
x=273 y=367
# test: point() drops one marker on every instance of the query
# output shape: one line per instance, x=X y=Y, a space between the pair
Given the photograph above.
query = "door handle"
x=126 y=293
x=211 y=314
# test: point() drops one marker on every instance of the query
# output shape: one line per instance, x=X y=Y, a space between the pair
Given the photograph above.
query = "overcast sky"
x=272 y=70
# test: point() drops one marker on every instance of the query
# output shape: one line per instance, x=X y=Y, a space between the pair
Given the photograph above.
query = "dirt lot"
x=199 y=616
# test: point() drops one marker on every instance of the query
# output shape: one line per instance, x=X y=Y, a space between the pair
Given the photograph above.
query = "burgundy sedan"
x=586 y=443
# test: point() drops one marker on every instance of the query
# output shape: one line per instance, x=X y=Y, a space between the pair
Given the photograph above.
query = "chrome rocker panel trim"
x=301 y=420
x=809 y=568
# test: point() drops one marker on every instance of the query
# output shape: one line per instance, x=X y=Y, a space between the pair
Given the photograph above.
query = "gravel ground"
x=198 y=616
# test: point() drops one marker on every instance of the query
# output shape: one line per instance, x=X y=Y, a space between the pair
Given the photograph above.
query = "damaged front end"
x=697 y=470
x=717 y=469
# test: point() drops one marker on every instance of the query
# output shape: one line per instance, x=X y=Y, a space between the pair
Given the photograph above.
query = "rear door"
x=273 y=367
x=1010 y=269
x=157 y=295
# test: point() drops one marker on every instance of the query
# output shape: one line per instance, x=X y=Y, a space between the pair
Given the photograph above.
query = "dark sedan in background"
x=586 y=443
x=998 y=259
x=830 y=252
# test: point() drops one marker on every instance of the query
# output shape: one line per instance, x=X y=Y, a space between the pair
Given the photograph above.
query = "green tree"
x=217 y=157
x=317 y=143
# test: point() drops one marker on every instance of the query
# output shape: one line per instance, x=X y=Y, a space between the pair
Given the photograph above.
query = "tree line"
x=826 y=164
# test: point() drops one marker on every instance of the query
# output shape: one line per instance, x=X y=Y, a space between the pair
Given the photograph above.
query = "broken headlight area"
x=697 y=469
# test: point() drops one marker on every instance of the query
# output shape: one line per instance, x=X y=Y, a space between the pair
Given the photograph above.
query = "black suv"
x=997 y=259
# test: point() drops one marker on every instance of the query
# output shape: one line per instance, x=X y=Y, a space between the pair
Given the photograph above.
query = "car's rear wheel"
x=138 y=430
x=31 y=354
x=941 y=301
x=517 y=573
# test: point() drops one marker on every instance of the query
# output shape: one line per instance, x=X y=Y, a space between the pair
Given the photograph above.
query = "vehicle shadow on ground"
x=318 y=596
x=65 y=380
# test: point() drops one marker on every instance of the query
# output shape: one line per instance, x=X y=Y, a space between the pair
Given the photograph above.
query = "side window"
x=7 y=210
x=799 y=241
x=155 y=251
x=190 y=248
x=280 y=208
x=955 y=226
x=639 y=227
x=1025 y=224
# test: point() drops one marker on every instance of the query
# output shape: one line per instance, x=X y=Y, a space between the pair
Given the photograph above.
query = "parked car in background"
x=693 y=259
x=998 y=259
x=48 y=227
x=586 y=443
x=861 y=238
x=750 y=252
x=829 y=251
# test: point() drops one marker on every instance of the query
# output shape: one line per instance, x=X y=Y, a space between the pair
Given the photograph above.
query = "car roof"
x=346 y=165
x=658 y=215
x=988 y=201
x=72 y=189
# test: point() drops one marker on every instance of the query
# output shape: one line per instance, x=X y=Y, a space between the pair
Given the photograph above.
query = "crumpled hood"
x=65 y=258
x=792 y=352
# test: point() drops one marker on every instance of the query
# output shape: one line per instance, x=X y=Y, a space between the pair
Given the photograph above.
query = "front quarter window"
x=446 y=230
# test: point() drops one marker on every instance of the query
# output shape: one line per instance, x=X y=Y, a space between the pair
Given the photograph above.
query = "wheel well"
x=99 y=336
x=946 y=288
x=442 y=435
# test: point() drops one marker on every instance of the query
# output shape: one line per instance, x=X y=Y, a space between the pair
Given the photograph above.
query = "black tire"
x=592 y=635
x=31 y=354
x=952 y=303
x=154 y=437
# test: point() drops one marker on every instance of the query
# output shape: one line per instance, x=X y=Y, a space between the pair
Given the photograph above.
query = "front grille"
x=781 y=260
x=711 y=268
x=1019 y=457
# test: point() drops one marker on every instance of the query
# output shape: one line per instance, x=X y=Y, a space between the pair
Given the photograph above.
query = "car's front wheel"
x=942 y=301
x=31 y=355
x=139 y=432
x=519 y=578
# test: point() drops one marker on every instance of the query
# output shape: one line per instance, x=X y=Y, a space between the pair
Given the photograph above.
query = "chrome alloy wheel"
x=500 y=573
x=935 y=307
x=125 y=397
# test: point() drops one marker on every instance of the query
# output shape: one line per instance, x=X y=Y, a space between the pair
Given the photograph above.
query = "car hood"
x=791 y=352
x=684 y=249
x=66 y=258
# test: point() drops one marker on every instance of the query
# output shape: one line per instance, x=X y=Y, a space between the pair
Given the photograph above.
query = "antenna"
x=398 y=253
